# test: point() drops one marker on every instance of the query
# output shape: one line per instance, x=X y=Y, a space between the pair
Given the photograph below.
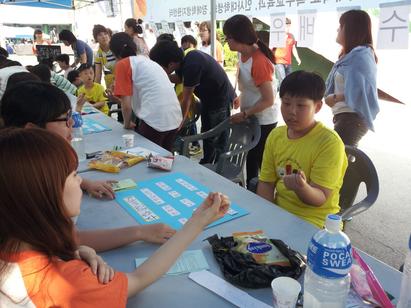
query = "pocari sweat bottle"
x=77 y=142
x=327 y=278
x=405 y=295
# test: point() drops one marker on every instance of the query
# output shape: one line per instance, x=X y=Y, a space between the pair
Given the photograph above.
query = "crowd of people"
x=300 y=165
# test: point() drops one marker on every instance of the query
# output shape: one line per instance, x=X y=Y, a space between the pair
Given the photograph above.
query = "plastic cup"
x=128 y=140
x=285 y=291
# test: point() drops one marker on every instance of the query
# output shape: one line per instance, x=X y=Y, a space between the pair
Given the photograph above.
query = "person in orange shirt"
x=38 y=265
x=256 y=82
x=283 y=55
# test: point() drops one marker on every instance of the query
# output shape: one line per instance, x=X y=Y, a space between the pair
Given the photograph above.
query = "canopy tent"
x=54 y=4
x=51 y=4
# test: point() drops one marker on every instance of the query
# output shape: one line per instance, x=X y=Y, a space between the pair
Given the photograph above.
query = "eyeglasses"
x=67 y=119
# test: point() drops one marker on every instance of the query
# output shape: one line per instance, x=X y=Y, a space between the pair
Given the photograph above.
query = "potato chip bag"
x=113 y=161
x=260 y=247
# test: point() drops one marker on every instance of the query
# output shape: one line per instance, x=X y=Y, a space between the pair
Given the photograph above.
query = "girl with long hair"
x=205 y=46
x=38 y=265
x=352 y=83
x=52 y=112
x=256 y=82
x=133 y=27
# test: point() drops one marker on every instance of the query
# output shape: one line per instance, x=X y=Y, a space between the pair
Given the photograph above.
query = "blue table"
x=180 y=291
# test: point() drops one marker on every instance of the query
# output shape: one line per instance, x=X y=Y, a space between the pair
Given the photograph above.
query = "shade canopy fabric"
x=51 y=4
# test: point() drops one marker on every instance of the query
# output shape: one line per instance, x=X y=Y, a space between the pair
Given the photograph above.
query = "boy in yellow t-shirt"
x=304 y=162
x=91 y=91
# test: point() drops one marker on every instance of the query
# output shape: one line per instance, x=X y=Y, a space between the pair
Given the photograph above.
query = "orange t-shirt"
x=283 y=55
x=262 y=69
x=59 y=283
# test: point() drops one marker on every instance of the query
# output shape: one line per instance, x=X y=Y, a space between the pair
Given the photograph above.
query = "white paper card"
x=306 y=27
x=189 y=261
x=393 y=27
x=140 y=151
x=226 y=290
x=277 y=30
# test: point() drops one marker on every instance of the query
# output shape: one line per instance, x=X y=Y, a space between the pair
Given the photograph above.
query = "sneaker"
x=194 y=150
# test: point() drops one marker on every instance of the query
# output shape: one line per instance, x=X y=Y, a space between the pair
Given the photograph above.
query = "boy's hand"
x=80 y=102
x=111 y=97
x=295 y=181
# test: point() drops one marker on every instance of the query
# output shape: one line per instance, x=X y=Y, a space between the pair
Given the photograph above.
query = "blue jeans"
x=213 y=147
x=282 y=70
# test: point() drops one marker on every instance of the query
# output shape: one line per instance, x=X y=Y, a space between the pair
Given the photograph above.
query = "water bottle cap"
x=333 y=223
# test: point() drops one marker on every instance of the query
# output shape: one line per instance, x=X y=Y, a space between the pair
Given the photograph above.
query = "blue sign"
x=170 y=199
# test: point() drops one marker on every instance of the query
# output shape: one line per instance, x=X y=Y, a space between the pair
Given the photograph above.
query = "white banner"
x=306 y=28
x=393 y=27
x=189 y=10
x=277 y=31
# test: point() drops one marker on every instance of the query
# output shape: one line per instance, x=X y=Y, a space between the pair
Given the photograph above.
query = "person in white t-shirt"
x=256 y=82
x=144 y=87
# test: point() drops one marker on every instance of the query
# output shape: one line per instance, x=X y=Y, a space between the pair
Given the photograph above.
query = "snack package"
x=260 y=247
x=113 y=161
x=160 y=162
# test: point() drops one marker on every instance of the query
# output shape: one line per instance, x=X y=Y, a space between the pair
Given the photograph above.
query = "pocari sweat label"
x=329 y=262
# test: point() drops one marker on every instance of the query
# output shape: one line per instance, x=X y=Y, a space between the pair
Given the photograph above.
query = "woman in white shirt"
x=256 y=82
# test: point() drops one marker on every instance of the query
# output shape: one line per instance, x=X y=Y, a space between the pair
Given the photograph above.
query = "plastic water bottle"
x=77 y=142
x=405 y=295
x=327 y=278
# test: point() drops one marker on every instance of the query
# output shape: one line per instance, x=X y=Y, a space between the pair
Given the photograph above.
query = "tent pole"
x=213 y=27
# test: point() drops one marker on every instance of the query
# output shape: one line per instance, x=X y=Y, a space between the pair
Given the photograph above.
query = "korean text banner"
x=187 y=10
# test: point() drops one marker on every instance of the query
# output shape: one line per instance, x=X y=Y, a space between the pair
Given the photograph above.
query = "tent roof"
x=51 y=4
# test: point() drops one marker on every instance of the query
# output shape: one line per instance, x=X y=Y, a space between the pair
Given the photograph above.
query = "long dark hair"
x=37 y=31
x=356 y=25
x=240 y=28
x=122 y=45
x=135 y=24
x=67 y=35
x=34 y=165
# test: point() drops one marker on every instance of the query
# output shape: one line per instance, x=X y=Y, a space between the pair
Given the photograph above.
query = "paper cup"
x=285 y=291
x=128 y=140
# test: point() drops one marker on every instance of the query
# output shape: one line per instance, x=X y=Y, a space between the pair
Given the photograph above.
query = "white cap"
x=333 y=222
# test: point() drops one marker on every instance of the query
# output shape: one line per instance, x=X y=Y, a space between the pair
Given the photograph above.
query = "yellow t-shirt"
x=96 y=95
x=320 y=154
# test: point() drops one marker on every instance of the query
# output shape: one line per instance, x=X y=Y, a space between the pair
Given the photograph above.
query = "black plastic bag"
x=242 y=270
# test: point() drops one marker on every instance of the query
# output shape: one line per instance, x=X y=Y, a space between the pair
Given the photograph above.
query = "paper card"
x=189 y=261
x=306 y=27
x=140 y=151
x=393 y=28
x=227 y=291
x=124 y=184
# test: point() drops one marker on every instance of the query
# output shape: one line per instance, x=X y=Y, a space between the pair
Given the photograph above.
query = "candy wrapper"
x=160 y=162
x=113 y=161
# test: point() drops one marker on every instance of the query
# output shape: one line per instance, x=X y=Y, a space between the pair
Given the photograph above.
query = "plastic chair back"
x=360 y=170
